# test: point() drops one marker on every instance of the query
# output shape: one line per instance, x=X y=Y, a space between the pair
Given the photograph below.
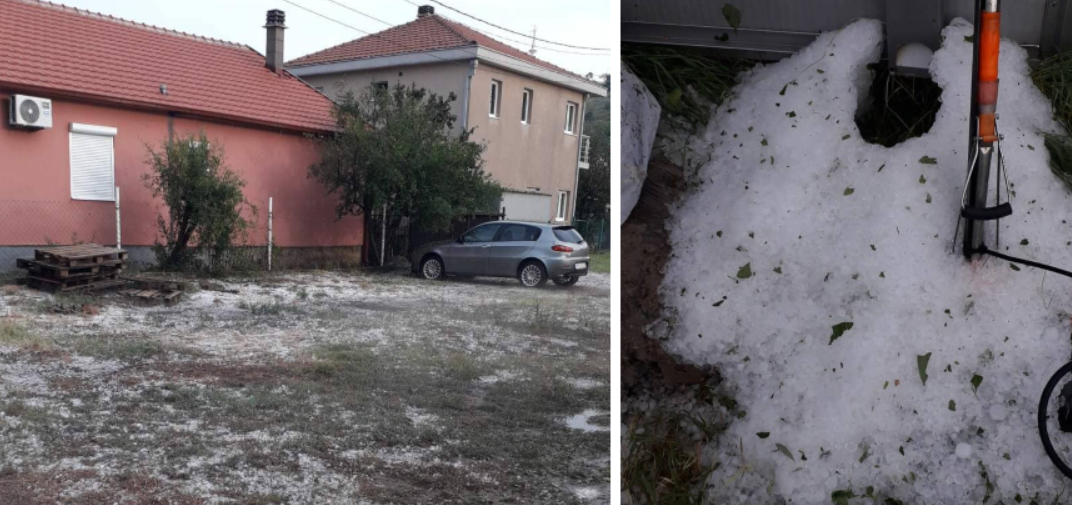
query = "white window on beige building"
x=496 y=98
x=92 y=162
x=526 y=106
x=563 y=206
x=571 y=117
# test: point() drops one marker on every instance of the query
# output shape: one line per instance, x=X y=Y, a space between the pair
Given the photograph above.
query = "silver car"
x=532 y=252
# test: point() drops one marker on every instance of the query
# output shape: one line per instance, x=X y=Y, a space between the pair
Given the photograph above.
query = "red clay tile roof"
x=58 y=51
x=428 y=33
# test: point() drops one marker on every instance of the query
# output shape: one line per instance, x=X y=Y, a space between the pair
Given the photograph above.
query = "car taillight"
x=561 y=248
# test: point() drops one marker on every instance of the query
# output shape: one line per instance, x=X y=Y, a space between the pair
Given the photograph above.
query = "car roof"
x=528 y=223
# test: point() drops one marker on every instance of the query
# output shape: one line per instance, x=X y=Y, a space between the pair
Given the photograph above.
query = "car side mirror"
x=461 y=240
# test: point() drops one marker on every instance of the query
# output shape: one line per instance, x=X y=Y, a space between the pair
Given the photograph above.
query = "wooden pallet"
x=51 y=286
x=80 y=283
x=43 y=269
x=79 y=255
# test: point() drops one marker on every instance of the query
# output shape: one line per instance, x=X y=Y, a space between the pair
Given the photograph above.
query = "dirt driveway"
x=323 y=388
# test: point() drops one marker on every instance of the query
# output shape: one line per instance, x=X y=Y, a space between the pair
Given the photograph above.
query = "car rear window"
x=568 y=234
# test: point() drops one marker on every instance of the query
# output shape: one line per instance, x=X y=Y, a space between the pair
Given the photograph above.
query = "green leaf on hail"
x=921 y=363
x=745 y=271
x=732 y=15
x=839 y=330
x=785 y=450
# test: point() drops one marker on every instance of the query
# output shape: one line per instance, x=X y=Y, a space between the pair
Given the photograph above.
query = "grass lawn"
x=327 y=388
x=601 y=262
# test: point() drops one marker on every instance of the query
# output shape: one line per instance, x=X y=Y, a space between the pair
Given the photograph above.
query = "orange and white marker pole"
x=989 y=43
x=984 y=139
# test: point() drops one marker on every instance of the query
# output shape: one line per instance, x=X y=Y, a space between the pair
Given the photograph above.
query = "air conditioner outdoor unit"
x=30 y=112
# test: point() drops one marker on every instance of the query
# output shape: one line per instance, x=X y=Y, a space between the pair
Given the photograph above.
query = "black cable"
x=1044 y=401
x=516 y=32
x=411 y=48
x=1044 y=433
x=523 y=43
x=1035 y=264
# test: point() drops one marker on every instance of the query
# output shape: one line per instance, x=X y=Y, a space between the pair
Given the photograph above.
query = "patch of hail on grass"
x=582 y=383
x=587 y=493
x=419 y=417
x=500 y=375
x=581 y=421
x=401 y=455
x=214 y=321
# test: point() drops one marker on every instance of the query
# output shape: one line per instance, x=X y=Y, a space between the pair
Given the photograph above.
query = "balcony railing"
x=586 y=146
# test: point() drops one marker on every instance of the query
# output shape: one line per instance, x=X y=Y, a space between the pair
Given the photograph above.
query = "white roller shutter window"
x=92 y=163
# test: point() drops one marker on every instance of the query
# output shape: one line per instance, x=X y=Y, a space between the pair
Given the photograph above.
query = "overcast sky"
x=576 y=22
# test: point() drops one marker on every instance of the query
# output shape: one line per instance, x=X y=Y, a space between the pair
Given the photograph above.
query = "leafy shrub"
x=204 y=201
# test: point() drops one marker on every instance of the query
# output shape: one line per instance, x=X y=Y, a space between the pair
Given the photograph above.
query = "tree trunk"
x=182 y=239
x=383 y=235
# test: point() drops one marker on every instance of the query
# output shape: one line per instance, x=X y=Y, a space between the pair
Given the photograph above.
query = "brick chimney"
x=274 y=49
x=425 y=10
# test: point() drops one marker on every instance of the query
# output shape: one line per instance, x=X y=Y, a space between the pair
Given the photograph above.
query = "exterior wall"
x=442 y=78
x=537 y=155
x=519 y=156
x=35 y=193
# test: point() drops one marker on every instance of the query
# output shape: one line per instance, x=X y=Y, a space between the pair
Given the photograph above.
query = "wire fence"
x=134 y=225
x=595 y=232
x=26 y=225
x=404 y=236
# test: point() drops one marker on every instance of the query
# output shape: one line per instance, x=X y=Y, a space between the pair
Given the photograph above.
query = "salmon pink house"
x=85 y=94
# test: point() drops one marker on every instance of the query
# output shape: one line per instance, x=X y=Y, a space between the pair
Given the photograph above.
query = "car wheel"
x=566 y=280
x=432 y=268
x=532 y=274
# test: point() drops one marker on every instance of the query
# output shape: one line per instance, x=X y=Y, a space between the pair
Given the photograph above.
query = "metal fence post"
x=118 y=224
x=600 y=236
x=269 y=234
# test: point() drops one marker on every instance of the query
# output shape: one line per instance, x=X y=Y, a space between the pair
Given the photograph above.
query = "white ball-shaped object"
x=964 y=451
x=914 y=55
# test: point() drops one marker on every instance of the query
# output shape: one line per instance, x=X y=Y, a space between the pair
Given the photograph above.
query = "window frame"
x=526 y=106
x=528 y=229
x=496 y=99
x=562 y=208
x=571 y=118
x=78 y=130
x=485 y=225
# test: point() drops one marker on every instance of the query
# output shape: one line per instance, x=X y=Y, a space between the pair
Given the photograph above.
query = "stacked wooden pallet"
x=75 y=268
x=154 y=291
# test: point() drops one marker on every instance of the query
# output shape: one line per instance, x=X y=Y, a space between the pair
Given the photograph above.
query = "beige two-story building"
x=529 y=111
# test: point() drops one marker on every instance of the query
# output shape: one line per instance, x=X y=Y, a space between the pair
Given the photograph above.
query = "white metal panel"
x=771 y=29
x=94 y=130
x=527 y=207
x=92 y=167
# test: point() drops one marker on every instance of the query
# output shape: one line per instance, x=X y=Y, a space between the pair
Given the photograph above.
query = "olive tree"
x=398 y=153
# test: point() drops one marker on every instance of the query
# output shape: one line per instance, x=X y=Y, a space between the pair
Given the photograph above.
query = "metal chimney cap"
x=277 y=18
x=425 y=10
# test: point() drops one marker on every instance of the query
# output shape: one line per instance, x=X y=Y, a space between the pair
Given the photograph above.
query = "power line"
x=347 y=7
x=489 y=23
x=522 y=42
x=403 y=46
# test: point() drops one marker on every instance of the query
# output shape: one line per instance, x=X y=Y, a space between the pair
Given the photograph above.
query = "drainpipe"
x=577 y=165
x=465 y=97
